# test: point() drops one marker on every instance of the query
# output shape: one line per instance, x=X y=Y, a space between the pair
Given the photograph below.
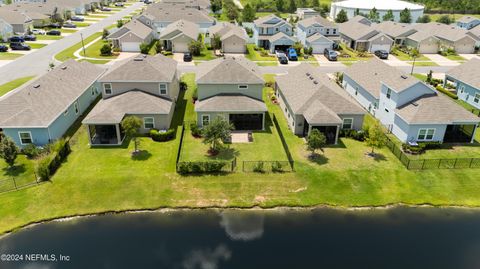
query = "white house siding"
x=409 y=132
x=381 y=43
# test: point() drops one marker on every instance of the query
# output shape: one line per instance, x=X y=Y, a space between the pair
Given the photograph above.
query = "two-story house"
x=317 y=33
x=273 y=33
x=407 y=107
x=142 y=86
x=467 y=81
x=42 y=111
x=231 y=88
x=310 y=100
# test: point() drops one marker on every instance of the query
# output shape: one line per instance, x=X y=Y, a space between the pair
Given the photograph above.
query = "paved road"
x=37 y=62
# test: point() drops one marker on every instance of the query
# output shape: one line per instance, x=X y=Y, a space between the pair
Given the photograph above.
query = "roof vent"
x=64 y=67
x=308 y=74
x=414 y=104
x=311 y=77
x=404 y=77
x=315 y=82
x=36 y=86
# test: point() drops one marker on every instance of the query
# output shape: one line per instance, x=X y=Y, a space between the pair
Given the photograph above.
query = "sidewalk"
x=440 y=60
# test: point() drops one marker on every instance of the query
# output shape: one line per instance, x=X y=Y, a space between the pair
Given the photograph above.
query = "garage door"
x=319 y=48
x=428 y=48
x=180 y=46
x=376 y=47
x=131 y=46
x=233 y=47
x=247 y=121
x=464 y=48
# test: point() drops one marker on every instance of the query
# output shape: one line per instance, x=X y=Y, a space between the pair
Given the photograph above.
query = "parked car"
x=29 y=38
x=292 y=54
x=54 y=32
x=16 y=39
x=69 y=25
x=119 y=4
x=77 y=18
x=147 y=1
x=330 y=54
x=38 y=32
x=54 y=25
x=19 y=46
x=3 y=48
x=187 y=57
x=382 y=54
x=106 y=9
x=282 y=58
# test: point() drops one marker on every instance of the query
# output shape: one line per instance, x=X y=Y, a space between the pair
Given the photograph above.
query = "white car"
x=38 y=32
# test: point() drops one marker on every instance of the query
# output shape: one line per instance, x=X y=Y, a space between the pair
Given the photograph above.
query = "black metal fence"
x=284 y=143
x=422 y=164
x=179 y=151
x=267 y=166
x=209 y=167
x=13 y=183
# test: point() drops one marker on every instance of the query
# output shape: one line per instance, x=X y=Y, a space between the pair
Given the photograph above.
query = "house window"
x=477 y=98
x=389 y=93
x=148 y=123
x=276 y=29
x=65 y=113
x=243 y=86
x=426 y=134
x=75 y=106
x=107 y=88
x=347 y=123
x=163 y=89
x=462 y=88
x=328 y=31
x=334 y=31
x=386 y=110
x=25 y=138
x=205 y=120
x=93 y=91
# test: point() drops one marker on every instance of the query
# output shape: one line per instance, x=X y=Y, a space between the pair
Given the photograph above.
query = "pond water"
x=209 y=239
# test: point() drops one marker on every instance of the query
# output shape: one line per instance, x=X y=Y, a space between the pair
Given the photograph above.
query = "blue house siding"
x=40 y=136
x=363 y=97
x=466 y=92
x=409 y=132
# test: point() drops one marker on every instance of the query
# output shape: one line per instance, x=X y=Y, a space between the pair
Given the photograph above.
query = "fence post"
x=423 y=164
x=408 y=163
x=14 y=183
x=471 y=162
x=439 y=162
x=455 y=163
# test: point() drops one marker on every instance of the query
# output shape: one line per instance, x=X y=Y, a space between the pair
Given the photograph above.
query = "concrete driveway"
x=440 y=60
x=470 y=56
x=323 y=61
x=394 y=61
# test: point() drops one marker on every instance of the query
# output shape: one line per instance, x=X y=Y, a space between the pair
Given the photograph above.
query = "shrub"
x=277 y=167
x=259 y=167
x=353 y=134
x=167 y=53
x=195 y=48
x=106 y=50
x=200 y=167
x=42 y=169
x=48 y=164
x=144 y=48
x=448 y=93
x=32 y=151
x=195 y=130
x=263 y=52
x=162 y=136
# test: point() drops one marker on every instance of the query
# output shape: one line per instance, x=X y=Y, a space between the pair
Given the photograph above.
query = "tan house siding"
x=148 y=87
x=209 y=90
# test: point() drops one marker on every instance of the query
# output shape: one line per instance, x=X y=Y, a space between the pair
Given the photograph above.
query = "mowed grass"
x=109 y=179
x=68 y=53
x=254 y=55
x=21 y=174
x=48 y=37
x=36 y=45
x=9 y=86
x=93 y=50
x=9 y=55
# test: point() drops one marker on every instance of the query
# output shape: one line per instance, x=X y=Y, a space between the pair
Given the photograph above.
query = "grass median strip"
x=9 y=86
x=9 y=55
x=68 y=53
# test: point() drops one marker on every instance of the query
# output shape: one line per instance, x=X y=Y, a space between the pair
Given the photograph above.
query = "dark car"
x=187 y=57
x=382 y=54
x=330 y=54
x=29 y=38
x=282 y=58
x=69 y=25
x=19 y=46
x=16 y=39
x=3 y=48
x=54 y=25
x=77 y=18
x=54 y=32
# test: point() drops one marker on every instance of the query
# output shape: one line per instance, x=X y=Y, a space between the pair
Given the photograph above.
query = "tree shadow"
x=226 y=153
x=339 y=145
x=378 y=157
x=142 y=155
x=319 y=159
x=14 y=171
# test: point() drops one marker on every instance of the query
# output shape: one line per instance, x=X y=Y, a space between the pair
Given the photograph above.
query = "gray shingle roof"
x=356 y=30
x=467 y=19
x=435 y=109
x=393 y=29
x=142 y=68
x=13 y=17
x=134 y=26
x=40 y=102
x=316 y=19
x=230 y=103
x=171 y=13
x=315 y=96
x=440 y=30
x=262 y=22
x=468 y=72
x=114 y=109
x=225 y=30
x=279 y=36
x=229 y=70
x=188 y=28
x=370 y=74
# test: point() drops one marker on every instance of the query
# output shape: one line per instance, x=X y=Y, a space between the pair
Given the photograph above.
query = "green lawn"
x=68 y=31
x=9 y=55
x=426 y=64
x=68 y=53
x=455 y=58
x=93 y=50
x=22 y=172
x=402 y=56
x=255 y=55
x=36 y=45
x=81 y=24
x=435 y=17
x=95 y=61
x=205 y=55
x=14 y=84
x=48 y=37
x=267 y=63
x=108 y=179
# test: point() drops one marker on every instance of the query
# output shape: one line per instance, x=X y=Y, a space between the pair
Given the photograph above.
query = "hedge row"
x=201 y=167
x=450 y=94
x=162 y=136
x=48 y=164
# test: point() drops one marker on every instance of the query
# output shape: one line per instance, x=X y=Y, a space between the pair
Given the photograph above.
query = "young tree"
x=376 y=138
x=105 y=33
x=424 y=19
x=144 y=48
x=215 y=132
x=316 y=141
x=445 y=19
x=374 y=15
x=158 y=47
x=216 y=42
x=388 y=16
x=106 y=50
x=230 y=9
x=356 y=12
x=298 y=47
x=248 y=13
x=414 y=53
x=8 y=151
x=130 y=125
x=341 y=17
x=195 y=48
x=120 y=23
x=215 y=5
x=405 y=16
x=280 y=4
x=292 y=6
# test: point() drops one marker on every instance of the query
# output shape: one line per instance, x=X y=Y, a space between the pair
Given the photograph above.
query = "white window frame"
x=145 y=123
x=351 y=124
x=243 y=87
x=105 y=89
x=462 y=89
x=203 y=119
x=160 y=88
x=25 y=132
x=66 y=111
x=76 y=108
x=426 y=134
x=389 y=93
x=476 y=98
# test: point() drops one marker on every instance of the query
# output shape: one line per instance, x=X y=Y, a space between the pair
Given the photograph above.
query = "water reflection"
x=242 y=225
x=207 y=258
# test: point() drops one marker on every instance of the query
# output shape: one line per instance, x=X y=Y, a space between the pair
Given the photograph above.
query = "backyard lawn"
x=9 y=86
x=109 y=179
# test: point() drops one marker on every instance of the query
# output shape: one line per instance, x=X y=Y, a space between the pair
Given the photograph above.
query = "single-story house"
x=19 y=21
x=468 y=22
x=6 y=30
x=131 y=35
x=142 y=86
x=233 y=38
x=410 y=109
x=424 y=42
x=467 y=81
x=305 y=13
x=395 y=30
x=361 y=36
x=178 y=35
x=231 y=88
x=43 y=110
x=310 y=100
